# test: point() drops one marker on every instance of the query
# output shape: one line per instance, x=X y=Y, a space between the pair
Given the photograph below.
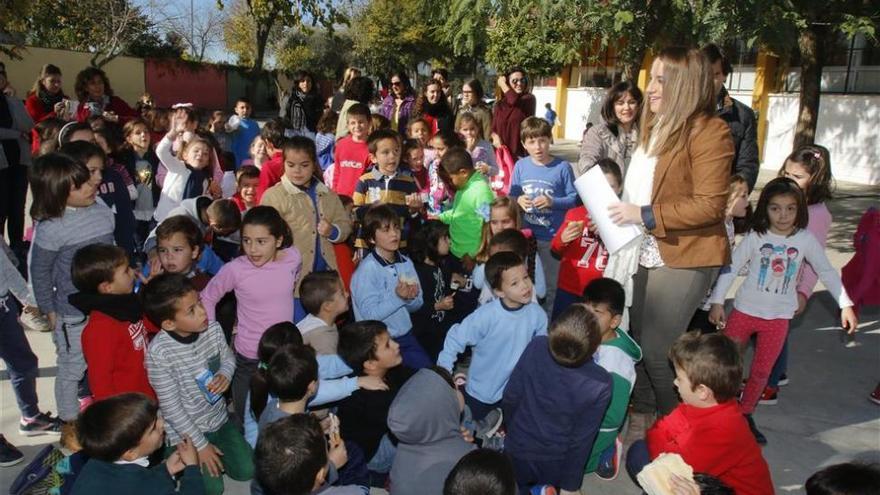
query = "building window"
x=850 y=66
x=601 y=72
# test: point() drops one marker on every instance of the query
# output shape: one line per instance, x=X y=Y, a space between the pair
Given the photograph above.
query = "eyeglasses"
x=518 y=81
x=395 y=83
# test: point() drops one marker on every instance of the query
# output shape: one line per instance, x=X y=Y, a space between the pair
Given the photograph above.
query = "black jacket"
x=744 y=131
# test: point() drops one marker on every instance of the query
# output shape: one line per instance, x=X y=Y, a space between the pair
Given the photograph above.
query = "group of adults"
x=19 y=139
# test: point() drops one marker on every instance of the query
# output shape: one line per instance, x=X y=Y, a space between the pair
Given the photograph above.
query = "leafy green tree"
x=393 y=35
x=13 y=25
x=320 y=52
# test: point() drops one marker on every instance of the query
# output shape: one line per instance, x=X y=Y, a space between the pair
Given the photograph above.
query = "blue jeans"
x=414 y=356
x=384 y=456
x=637 y=457
x=563 y=300
x=19 y=358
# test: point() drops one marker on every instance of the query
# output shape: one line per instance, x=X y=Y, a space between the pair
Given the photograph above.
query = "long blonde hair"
x=688 y=98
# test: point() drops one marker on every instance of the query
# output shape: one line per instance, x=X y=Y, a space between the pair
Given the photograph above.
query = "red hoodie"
x=585 y=257
x=351 y=160
x=714 y=440
x=114 y=351
x=270 y=174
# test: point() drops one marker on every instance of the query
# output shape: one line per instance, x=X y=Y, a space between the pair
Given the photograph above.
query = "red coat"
x=114 y=351
x=116 y=105
x=509 y=113
x=38 y=112
x=714 y=440
x=583 y=259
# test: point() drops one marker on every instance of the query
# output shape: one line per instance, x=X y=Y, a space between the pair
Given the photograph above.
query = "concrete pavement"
x=823 y=416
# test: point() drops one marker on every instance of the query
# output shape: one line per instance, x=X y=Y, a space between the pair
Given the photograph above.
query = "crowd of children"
x=237 y=300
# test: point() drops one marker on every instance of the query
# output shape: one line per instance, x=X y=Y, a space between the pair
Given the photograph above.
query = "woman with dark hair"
x=15 y=156
x=616 y=137
x=96 y=98
x=359 y=90
x=339 y=97
x=46 y=100
x=472 y=103
x=432 y=106
x=302 y=108
x=397 y=106
x=515 y=105
x=676 y=190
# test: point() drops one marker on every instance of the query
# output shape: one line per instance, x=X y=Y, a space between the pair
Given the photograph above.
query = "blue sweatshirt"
x=498 y=336
x=248 y=130
x=552 y=412
x=556 y=180
x=374 y=296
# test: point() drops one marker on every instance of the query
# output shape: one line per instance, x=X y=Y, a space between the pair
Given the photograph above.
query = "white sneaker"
x=35 y=322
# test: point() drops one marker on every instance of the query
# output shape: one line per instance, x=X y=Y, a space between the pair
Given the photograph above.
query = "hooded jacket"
x=425 y=419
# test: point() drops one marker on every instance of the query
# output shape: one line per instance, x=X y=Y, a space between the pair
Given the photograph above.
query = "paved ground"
x=823 y=416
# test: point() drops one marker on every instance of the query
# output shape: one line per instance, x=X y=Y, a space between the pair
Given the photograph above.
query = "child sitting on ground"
x=618 y=354
x=190 y=367
x=118 y=434
x=554 y=403
x=424 y=418
x=368 y=349
x=115 y=340
x=292 y=458
x=470 y=208
x=498 y=332
x=385 y=285
x=481 y=472
x=247 y=178
x=325 y=299
x=707 y=428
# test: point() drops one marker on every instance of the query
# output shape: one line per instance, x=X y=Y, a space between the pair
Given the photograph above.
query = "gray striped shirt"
x=10 y=280
x=173 y=366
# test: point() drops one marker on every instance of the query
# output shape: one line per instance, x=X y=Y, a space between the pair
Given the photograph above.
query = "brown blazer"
x=690 y=196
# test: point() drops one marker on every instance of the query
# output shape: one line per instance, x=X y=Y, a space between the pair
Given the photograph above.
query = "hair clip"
x=181 y=105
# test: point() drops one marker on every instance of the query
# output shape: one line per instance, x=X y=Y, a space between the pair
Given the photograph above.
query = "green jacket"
x=131 y=479
x=619 y=357
x=469 y=212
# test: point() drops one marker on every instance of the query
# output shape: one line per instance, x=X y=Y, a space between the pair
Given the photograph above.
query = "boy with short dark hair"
x=218 y=220
x=470 y=208
x=291 y=458
x=385 y=183
x=352 y=154
x=272 y=135
x=368 y=349
x=324 y=298
x=385 y=285
x=114 y=340
x=243 y=130
x=554 y=403
x=179 y=247
x=849 y=478
x=118 y=434
x=247 y=180
x=543 y=185
x=617 y=354
x=498 y=331
x=707 y=429
x=190 y=367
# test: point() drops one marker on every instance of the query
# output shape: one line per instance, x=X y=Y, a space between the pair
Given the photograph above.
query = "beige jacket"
x=297 y=210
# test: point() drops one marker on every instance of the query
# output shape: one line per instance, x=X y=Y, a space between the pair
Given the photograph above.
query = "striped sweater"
x=56 y=240
x=374 y=187
x=173 y=363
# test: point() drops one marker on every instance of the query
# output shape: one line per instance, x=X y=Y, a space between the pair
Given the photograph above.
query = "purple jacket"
x=404 y=114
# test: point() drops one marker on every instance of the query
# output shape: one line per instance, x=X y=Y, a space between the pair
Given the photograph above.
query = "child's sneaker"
x=542 y=490
x=609 y=461
x=875 y=395
x=783 y=380
x=488 y=426
x=41 y=424
x=85 y=402
x=759 y=437
x=35 y=322
x=9 y=455
x=770 y=396
x=460 y=380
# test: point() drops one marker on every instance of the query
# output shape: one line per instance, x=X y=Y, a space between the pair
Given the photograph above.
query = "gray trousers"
x=551 y=274
x=664 y=300
x=71 y=364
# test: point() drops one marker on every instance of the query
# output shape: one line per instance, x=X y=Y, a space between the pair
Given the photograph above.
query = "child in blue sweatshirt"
x=498 y=331
x=386 y=287
x=543 y=185
x=554 y=403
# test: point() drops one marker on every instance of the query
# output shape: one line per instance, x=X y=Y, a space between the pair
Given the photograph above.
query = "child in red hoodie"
x=115 y=339
x=352 y=157
x=707 y=429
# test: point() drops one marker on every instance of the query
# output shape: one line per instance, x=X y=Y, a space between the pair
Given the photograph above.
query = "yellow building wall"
x=126 y=74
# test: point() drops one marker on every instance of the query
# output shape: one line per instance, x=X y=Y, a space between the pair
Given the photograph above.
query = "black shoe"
x=42 y=424
x=9 y=455
x=759 y=437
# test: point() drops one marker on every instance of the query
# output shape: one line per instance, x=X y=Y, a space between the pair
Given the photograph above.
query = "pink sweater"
x=819 y=225
x=264 y=294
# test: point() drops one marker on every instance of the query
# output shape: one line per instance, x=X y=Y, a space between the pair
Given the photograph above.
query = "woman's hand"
x=496 y=140
x=59 y=109
x=848 y=320
x=625 y=213
x=502 y=83
x=110 y=116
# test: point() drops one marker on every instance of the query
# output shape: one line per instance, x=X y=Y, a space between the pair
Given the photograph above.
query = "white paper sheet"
x=597 y=195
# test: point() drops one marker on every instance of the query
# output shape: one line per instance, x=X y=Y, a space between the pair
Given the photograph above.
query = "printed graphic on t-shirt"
x=592 y=246
x=778 y=267
x=533 y=189
x=138 y=335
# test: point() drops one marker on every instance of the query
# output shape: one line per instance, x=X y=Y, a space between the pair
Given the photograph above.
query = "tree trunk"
x=810 y=43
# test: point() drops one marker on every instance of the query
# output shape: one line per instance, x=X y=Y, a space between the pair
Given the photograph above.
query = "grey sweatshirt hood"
x=425 y=419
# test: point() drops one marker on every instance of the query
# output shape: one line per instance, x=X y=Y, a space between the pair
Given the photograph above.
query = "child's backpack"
x=49 y=473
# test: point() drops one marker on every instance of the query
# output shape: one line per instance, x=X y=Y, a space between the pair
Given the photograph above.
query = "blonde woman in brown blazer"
x=676 y=189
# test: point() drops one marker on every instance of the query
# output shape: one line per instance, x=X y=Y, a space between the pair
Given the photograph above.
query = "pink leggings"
x=771 y=337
